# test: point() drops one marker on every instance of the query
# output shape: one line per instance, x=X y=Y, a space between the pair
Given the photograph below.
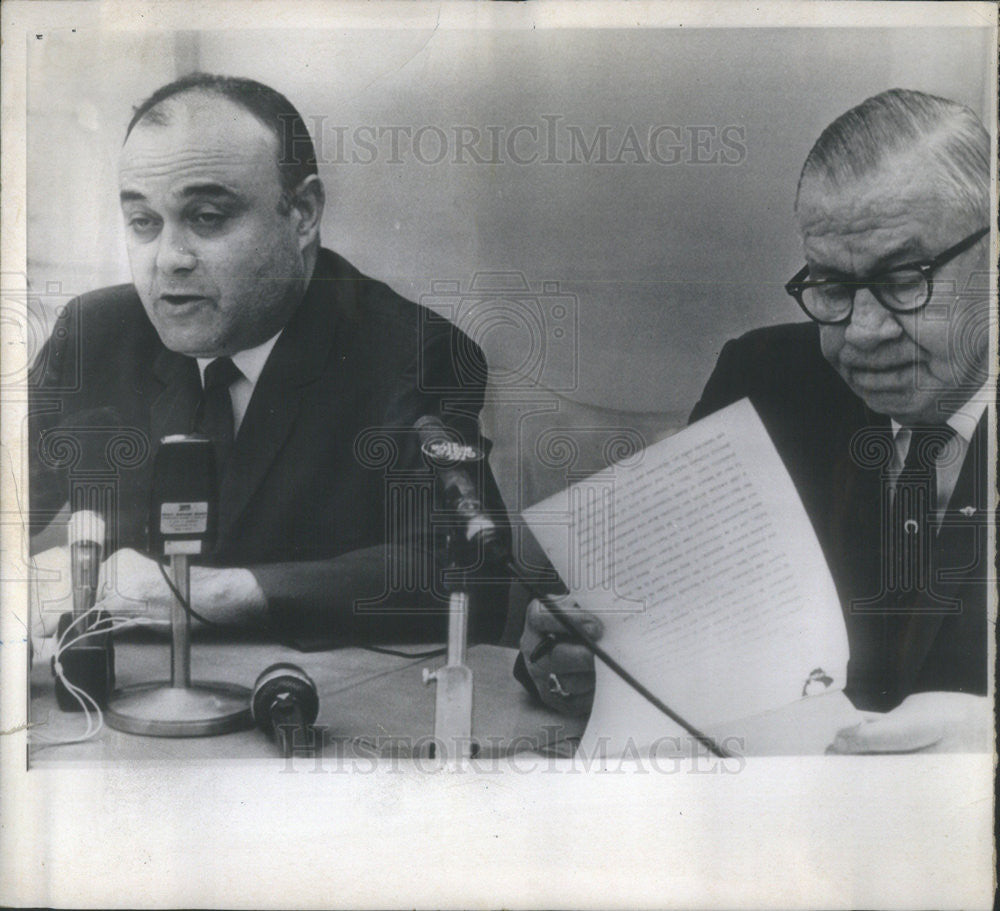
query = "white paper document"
x=700 y=559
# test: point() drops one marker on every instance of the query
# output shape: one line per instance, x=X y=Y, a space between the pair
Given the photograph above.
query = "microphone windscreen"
x=86 y=527
x=283 y=681
x=183 y=497
x=443 y=446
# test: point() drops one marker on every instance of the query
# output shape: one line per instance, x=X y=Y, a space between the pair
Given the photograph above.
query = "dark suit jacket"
x=836 y=451
x=314 y=500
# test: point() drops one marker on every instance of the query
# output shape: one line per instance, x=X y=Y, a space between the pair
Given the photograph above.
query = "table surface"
x=371 y=704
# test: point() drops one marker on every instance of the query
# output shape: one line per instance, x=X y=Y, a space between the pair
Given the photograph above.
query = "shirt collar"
x=250 y=361
x=964 y=421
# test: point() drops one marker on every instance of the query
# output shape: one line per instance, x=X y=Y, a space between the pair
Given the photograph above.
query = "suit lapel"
x=955 y=548
x=297 y=360
x=173 y=408
x=970 y=489
x=857 y=492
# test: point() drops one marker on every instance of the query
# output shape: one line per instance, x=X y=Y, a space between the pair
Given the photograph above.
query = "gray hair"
x=857 y=144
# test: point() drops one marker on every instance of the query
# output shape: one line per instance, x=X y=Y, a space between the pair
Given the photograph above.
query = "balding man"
x=234 y=301
x=879 y=408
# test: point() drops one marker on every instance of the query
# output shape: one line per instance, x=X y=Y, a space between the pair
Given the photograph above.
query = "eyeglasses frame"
x=799 y=283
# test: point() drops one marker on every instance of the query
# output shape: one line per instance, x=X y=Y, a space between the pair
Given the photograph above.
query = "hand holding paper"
x=701 y=562
x=562 y=671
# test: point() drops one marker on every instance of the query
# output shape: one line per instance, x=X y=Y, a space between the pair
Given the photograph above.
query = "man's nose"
x=174 y=253
x=870 y=323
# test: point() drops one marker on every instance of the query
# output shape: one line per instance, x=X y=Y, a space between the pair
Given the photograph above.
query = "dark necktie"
x=215 y=412
x=914 y=507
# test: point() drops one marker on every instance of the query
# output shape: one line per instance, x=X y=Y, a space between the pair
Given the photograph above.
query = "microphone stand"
x=178 y=707
x=180 y=623
x=453 y=698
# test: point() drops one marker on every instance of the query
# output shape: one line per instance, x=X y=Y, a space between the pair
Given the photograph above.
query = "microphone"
x=182 y=519
x=86 y=540
x=182 y=522
x=183 y=513
x=85 y=658
x=284 y=701
x=452 y=459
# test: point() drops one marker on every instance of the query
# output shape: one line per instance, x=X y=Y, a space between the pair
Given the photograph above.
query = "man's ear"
x=307 y=203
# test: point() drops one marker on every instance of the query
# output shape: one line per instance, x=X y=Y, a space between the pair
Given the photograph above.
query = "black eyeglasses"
x=903 y=289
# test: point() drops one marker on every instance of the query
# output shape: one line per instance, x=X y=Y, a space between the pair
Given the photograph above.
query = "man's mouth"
x=882 y=368
x=883 y=377
x=174 y=300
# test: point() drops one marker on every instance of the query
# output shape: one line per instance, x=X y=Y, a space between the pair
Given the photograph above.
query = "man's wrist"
x=230 y=596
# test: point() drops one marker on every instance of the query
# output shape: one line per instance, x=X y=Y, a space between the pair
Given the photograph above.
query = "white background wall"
x=658 y=264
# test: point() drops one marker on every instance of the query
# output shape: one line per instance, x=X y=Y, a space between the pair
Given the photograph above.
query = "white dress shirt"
x=964 y=422
x=250 y=363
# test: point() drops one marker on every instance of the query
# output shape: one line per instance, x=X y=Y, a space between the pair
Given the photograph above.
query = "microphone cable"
x=184 y=603
x=191 y=612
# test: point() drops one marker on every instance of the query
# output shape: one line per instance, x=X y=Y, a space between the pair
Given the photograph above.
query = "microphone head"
x=183 y=496
x=86 y=527
x=442 y=446
x=449 y=453
x=283 y=682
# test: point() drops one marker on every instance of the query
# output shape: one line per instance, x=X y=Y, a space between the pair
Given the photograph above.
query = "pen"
x=549 y=642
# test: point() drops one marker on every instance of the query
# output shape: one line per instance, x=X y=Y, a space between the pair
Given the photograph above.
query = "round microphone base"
x=162 y=710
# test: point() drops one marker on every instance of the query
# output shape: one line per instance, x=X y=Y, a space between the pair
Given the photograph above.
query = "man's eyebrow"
x=208 y=189
x=216 y=190
x=909 y=251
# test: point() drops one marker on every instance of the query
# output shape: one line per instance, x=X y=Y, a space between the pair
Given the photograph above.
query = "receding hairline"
x=920 y=158
x=905 y=128
x=894 y=161
x=160 y=114
x=155 y=118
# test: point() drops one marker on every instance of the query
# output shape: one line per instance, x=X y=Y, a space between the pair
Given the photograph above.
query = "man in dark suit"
x=322 y=373
x=878 y=408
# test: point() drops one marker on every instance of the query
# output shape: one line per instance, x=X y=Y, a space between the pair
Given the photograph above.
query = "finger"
x=568 y=683
x=547 y=654
x=573 y=705
x=575 y=683
x=123 y=605
x=118 y=606
x=569 y=694
x=529 y=641
x=567 y=658
x=886 y=735
x=543 y=621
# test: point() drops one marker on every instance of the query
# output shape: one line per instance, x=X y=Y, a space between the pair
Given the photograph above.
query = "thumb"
x=544 y=621
x=888 y=734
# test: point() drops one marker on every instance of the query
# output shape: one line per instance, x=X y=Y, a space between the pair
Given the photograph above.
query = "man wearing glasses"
x=878 y=407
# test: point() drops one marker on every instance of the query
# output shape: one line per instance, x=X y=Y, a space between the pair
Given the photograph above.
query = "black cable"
x=595 y=649
x=416 y=656
x=188 y=609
